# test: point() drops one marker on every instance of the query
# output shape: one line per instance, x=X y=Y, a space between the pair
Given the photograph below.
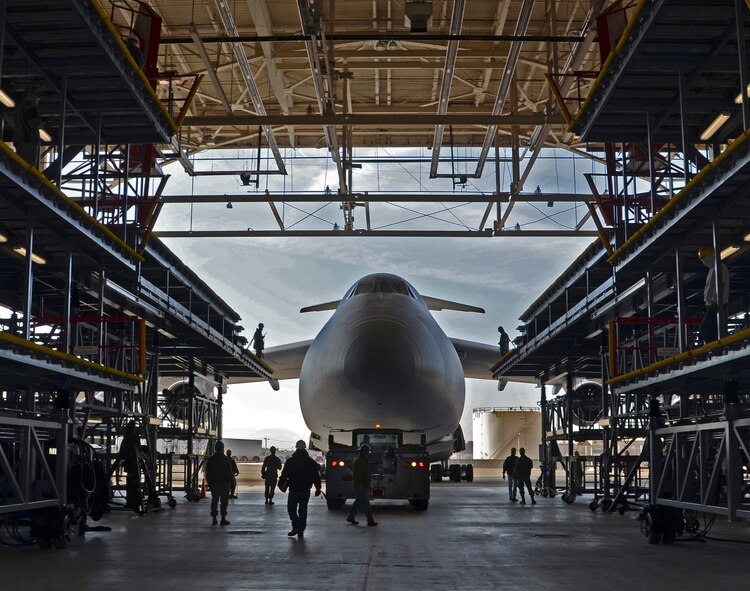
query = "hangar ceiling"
x=357 y=73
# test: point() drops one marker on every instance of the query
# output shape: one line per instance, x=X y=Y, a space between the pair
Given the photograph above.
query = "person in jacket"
x=26 y=124
x=269 y=472
x=300 y=472
x=522 y=474
x=509 y=466
x=129 y=456
x=235 y=474
x=362 y=479
x=219 y=479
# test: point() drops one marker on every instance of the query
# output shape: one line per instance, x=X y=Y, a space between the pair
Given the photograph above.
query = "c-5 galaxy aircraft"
x=382 y=361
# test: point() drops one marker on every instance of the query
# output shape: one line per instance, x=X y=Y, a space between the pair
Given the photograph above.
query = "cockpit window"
x=382 y=285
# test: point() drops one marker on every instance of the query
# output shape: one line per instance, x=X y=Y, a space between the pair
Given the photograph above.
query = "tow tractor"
x=399 y=470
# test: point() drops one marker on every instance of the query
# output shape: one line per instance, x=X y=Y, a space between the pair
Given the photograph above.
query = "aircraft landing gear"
x=661 y=524
x=335 y=504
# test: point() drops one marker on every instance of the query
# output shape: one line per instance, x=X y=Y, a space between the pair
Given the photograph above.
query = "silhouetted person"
x=128 y=456
x=522 y=474
x=509 y=467
x=710 y=325
x=259 y=341
x=26 y=125
x=301 y=472
x=133 y=43
x=219 y=479
x=504 y=342
x=235 y=473
x=362 y=479
x=269 y=472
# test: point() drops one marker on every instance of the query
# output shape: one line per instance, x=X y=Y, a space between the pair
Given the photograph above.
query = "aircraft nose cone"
x=380 y=359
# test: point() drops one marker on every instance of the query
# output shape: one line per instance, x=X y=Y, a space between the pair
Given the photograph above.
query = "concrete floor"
x=470 y=538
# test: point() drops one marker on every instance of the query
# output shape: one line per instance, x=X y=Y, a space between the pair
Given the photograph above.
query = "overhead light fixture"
x=738 y=98
x=44 y=135
x=714 y=126
x=380 y=46
x=392 y=45
x=229 y=205
x=6 y=100
x=34 y=257
x=747 y=237
x=4 y=238
x=728 y=251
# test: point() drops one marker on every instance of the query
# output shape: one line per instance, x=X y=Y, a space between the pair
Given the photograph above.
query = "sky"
x=269 y=279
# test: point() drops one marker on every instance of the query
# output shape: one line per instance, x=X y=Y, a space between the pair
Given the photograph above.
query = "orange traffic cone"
x=203 y=489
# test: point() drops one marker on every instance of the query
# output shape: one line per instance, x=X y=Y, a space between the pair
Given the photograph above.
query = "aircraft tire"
x=454 y=472
x=469 y=472
x=419 y=504
x=436 y=473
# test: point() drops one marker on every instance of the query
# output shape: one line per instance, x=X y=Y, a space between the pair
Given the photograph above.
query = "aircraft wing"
x=286 y=361
x=476 y=358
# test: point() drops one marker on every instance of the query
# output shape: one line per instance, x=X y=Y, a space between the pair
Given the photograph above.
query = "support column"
x=739 y=16
x=721 y=311
x=28 y=283
x=569 y=429
x=683 y=127
x=67 y=336
x=61 y=130
x=544 y=456
x=682 y=328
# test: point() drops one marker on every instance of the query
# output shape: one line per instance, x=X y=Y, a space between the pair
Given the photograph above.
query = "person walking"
x=300 y=473
x=235 y=474
x=509 y=467
x=219 y=479
x=269 y=472
x=522 y=474
x=362 y=479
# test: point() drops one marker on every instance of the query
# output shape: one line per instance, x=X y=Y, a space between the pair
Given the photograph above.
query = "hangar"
x=103 y=325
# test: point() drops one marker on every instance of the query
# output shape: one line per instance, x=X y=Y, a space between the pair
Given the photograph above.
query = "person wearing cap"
x=269 y=472
x=361 y=480
x=710 y=326
x=504 y=342
x=219 y=479
x=133 y=43
x=301 y=472
x=258 y=341
x=26 y=125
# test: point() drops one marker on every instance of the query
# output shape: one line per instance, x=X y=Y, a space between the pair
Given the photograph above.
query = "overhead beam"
x=375 y=233
x=247 y=74
x=377 y=197
x=178 y=40
x=451 y=50
x=373 y=119
x=201 y=49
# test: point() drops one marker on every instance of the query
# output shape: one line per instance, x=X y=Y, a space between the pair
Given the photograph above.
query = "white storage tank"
x=496 y=430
